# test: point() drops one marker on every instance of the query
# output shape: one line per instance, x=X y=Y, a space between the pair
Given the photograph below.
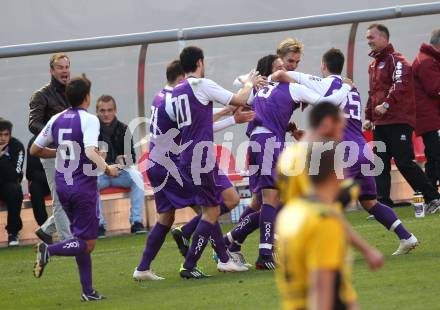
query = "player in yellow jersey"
x=313 y=246
x=312 y=234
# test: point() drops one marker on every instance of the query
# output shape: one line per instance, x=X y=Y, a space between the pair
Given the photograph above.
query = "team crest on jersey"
x=381 y=65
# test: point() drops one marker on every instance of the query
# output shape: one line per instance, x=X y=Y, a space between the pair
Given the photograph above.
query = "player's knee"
x=211 y=214
x=90 y=245
x=233 y=200
x=166 y=219
x=368 y=204
x=254 y=203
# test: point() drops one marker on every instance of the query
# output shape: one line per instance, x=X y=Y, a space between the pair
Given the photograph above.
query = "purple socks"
x=239 y=233
x=245 y=213
x=70 y=247
x=154 y=242
x=77 y=248
x=189 y=228
x=84 y=262
x=199 y=241
x=386 y=216
x=219 y=244
x=267 y=218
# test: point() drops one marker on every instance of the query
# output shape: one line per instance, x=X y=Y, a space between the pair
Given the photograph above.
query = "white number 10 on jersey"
x=183 y=111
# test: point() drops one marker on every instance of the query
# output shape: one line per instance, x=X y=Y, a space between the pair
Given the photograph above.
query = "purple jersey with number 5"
x=72 y=131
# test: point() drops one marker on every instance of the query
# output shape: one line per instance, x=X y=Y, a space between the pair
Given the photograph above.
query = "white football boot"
x=231 y=266
x=147 y=275
x=406 y=245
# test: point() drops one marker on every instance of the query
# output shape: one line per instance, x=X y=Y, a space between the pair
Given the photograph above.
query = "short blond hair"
x=290 y=45
x=57 y=56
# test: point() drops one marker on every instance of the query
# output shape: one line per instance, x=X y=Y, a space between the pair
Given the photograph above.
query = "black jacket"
x=45 y=103
x=34 y=168
x=116 y=143
x=11 y=161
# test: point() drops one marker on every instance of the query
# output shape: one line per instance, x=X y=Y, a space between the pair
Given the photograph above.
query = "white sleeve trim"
x=207 y=91
x=90 y=128
x=45 y=137
x=223 y=124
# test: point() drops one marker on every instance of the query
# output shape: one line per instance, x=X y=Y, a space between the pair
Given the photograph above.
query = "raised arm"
x=302 y=93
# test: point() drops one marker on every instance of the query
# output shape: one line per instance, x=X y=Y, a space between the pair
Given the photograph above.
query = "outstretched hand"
x=242 y=115
x=348 y=81
x=257 y=80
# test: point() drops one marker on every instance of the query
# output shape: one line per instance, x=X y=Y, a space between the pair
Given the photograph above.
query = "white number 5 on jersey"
x=66 y=143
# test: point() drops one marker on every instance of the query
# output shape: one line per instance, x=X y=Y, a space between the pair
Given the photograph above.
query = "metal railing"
x=194 y=33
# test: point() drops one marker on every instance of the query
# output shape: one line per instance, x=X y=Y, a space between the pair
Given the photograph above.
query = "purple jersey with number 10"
x=194 y=119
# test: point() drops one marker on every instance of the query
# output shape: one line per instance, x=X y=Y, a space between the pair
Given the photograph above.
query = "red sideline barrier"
x=226 y=162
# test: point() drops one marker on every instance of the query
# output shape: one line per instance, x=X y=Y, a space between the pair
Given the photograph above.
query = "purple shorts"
x=264 y=160
x=222 y=182
x=82 y=209
x=366 y=183
x=169 y=194
x=207 y=186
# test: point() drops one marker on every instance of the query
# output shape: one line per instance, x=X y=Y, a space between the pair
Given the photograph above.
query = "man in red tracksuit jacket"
x=426 y=73
x=391 y=112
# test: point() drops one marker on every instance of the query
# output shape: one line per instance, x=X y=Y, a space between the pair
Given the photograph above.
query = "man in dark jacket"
x=11 y=167
x=112 y=132
x=391 y=110
x=426 y=72
x=45 y=103
x=38 y=187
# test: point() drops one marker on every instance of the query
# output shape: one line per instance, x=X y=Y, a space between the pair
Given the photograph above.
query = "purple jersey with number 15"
x=351 y=107
x=352 y=111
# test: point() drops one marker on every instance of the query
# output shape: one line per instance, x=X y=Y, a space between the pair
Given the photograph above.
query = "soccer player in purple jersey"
x=331 y=68
x=226 y=192
x=274 y=105
x=170 y=191
x=265 y=66
x=75 y=134
x=194 y=99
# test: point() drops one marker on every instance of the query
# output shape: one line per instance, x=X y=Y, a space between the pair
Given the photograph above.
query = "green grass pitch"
x=407 y=282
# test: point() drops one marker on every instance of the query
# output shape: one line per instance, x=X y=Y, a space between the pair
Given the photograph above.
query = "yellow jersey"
x=310 y=237
x=292 y=174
